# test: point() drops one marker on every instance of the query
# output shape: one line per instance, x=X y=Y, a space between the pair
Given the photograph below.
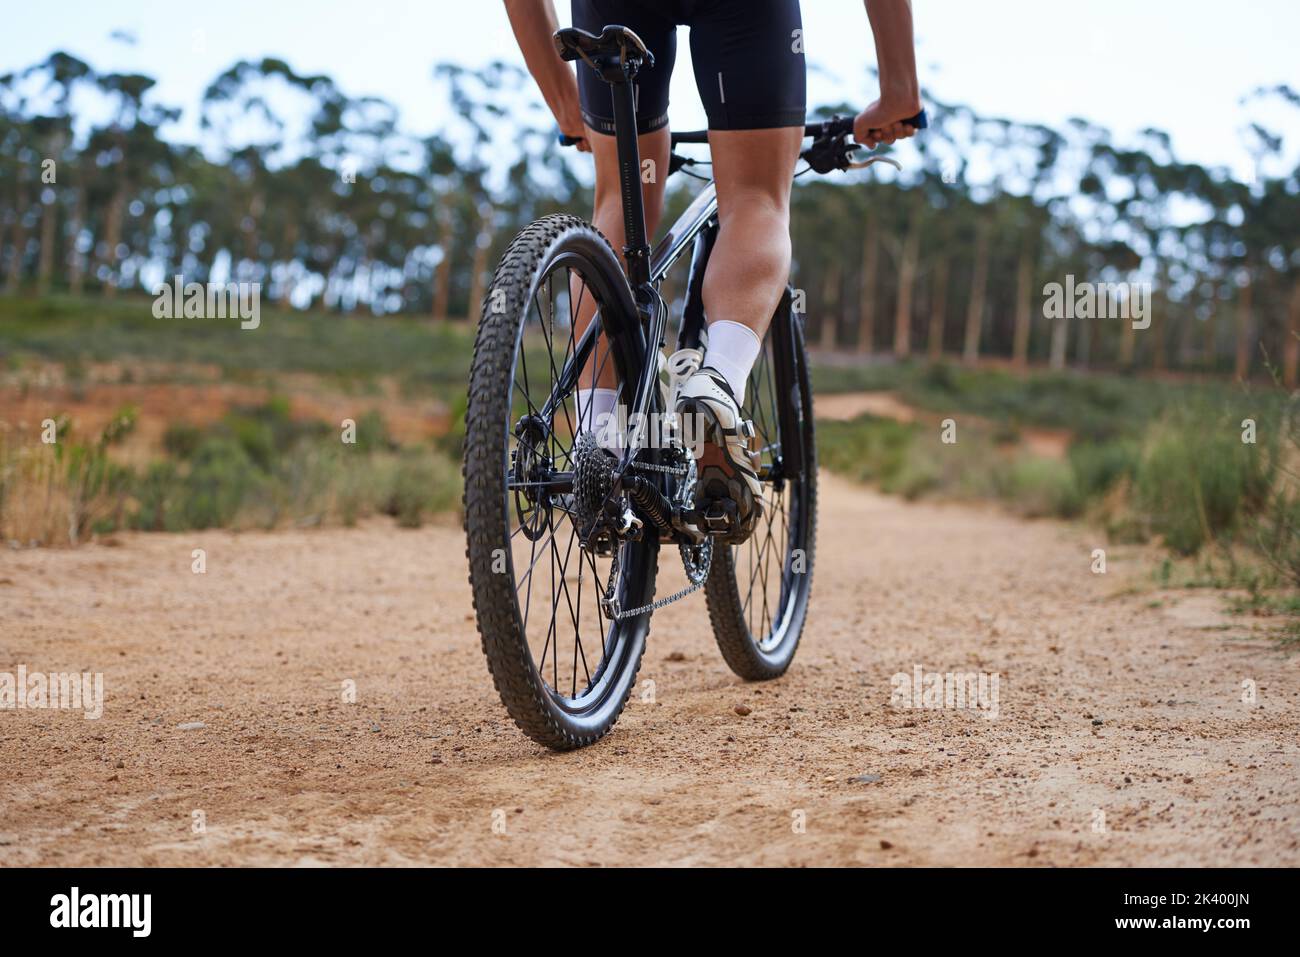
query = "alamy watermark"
x=968 y=690
x=1098 y=300
x=212 y=300
x=37 y=690
x=130 y=911
x=656 y=430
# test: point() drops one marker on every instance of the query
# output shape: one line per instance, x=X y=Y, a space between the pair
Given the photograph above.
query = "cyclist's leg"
x=750 y=71
x=607 y=215
x=753 y=170
x=659 y=33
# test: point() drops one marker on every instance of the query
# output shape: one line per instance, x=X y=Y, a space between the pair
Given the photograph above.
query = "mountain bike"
x=564 y=535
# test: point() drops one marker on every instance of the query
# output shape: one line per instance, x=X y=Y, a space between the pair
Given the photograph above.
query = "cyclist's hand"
x=582 y=146
x=883 y=123
x=570 y=123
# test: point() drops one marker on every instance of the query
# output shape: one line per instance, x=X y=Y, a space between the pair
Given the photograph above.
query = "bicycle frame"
x=695 y=230
x=645 y=270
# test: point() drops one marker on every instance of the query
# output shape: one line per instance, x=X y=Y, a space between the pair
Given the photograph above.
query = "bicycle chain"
x=610 y=604
x=652 y=467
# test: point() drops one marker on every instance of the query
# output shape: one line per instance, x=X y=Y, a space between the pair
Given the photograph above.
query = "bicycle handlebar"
x=836 y=126
x=830 y=149
x=832 y=127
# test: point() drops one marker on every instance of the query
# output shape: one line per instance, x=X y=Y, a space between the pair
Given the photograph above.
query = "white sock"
x=733 y=350
x=597 y=412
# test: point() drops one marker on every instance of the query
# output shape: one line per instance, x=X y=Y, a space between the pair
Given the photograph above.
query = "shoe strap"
x=682 y=364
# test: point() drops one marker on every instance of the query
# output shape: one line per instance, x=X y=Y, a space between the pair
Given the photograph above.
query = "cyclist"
x=750 y=73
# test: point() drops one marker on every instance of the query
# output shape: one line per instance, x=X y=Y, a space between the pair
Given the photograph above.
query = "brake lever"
x=870 y=161
x=834 y=153
x=828 y=153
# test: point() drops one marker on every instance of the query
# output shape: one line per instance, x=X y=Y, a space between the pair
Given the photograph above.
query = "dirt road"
x=1121 y=735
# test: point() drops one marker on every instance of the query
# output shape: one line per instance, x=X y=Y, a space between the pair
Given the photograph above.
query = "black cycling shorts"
x=748 y=58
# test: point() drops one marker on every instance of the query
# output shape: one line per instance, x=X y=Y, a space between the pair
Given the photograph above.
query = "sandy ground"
x=1121 y=735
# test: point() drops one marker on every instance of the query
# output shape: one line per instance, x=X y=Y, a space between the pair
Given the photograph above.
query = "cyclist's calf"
x=750 y=265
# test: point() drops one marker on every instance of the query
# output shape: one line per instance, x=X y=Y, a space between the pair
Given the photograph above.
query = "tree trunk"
x=830 y=309
x=482 y=245
x=5 y=217
x=20 y=241
x=867 y=288
x=906 y=280
x=1060 y=343
x=250 y=229
x=1291 y=344
x=290 y=243
x=1210 y=347
x=75 y=263
x=112 y=238
x=1185 y=353
x=1020 y=339
x=978 y=288
x=1127 y=342
x=1159 y=307
x=1241 y=368
x=49 y=232
x=442 y=276
x=938 y=309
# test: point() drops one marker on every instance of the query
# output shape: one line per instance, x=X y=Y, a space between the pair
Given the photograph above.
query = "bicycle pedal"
x=721 y=516
x=722 y=520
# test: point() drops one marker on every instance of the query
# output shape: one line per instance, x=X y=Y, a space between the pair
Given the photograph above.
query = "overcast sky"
x=1181 y=65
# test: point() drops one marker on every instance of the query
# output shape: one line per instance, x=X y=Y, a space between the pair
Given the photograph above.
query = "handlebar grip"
x=569 y=140
x=920 y=121
x=844 y=124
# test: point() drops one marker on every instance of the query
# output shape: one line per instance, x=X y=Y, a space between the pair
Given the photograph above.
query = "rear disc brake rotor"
x=529 y=464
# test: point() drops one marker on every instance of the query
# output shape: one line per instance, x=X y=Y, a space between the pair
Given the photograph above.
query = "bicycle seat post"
x=637 y=250
x=617 y=55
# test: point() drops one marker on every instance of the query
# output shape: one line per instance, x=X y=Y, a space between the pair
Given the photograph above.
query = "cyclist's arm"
x=534 y=23
x=900 y=92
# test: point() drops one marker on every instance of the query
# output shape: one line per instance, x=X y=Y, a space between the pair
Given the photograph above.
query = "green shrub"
x=453 y=441
x=419 y=483
x=372 y=434
x=155 y=495
x=868 y=448
x=915 y=476
x=1098 y=466
x=1039 y=487
x=181 y=439
x=1278 y=531
x=221 y=475
x=254 y=436
x=1197 y=477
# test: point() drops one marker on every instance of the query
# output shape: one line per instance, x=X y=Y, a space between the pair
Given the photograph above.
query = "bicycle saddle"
x=614 y=41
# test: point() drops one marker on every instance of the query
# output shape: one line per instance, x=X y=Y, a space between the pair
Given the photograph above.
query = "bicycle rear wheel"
x=563 y=669
x=757 y=591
